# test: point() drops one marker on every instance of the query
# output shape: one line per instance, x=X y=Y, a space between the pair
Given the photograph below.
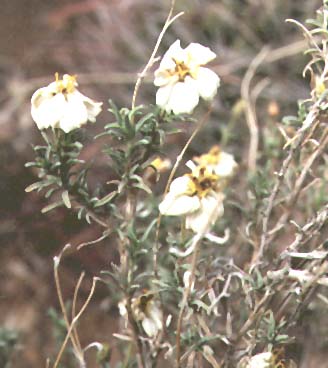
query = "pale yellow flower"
x=160 y=164
x=182 y=78
x=61 y=105
x=146 y=310
x=262 y=360
x=221 y=163
x=198 y=197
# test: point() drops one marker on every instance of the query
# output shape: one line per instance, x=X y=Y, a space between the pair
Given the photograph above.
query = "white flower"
x=198 y=197
x=262 y=360
x=222 y=163
x=183 y=79
x=61 y=105
x=145 y=310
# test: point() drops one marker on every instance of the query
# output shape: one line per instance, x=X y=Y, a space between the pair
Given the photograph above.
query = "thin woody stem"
x=151 y=60
x=185 y=300
x=75 y=343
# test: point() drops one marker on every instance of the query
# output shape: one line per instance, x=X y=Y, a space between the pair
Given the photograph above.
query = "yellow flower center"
x=213 y=157
x=65 y=85
x=202 y=182
x=183 y=69
x=160 y=164
x=142 y=306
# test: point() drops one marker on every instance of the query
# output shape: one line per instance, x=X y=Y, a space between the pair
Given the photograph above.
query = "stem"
x=185 y=299
x=151 y=60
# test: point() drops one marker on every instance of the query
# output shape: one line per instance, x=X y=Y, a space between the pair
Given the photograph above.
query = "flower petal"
x=191 y=165
x=200 y=54
x=93 y=107
x=156 y=315
x=163 y=95
x=226 y=165
x=75 y=115
x=180 y=185
x=207 y=83
x=46 y=109
x=149 y=326
x=211 y=208
x=184 y=97
x=173 y=205
x=262 y=360
x=164 y=77
x=174 y=52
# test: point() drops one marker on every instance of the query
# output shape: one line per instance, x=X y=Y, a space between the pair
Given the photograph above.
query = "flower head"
x=262 y=360
x=196 y=195
x=61 y=105
x=222 y=163
x=160 y=164
x=145 y=310
x=183 y=79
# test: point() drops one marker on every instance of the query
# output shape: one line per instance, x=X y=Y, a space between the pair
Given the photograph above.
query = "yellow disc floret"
x=66 y=85
x=185 y=68
x=202 y=181
x=213 y=157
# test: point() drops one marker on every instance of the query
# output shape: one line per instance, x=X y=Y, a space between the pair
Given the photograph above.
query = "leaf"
x=143 y=120
x=106 y=199
x=142 y=186
x=282 y=338
x=66 y=200
x=148 y=230
x=33 y=186
x=202 y=305
x=51 y=206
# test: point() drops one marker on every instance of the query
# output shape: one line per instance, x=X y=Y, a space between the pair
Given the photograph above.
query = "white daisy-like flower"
x=222 y=163
x=182 y=78
x=198 y=197
x=61 y=105
x=146 y=310
x=262 y=360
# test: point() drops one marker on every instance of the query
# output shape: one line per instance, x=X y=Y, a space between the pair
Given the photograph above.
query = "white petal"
x=46 y=109
x=200 y=54
x=75 y=115
x=40 y=95
x=174 y=52
x=262 y=360
x=180 y=185
x=207 y=83
x=210 y=209
x=226 y=165
x=191 y=165
x=163 y=95
x=150 y=327
x=156 y=316
x=93 y=107
x=164 y=77
x=173 y=205
x=184 y=97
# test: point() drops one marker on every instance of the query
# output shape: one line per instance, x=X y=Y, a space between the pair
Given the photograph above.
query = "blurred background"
x=106 y=43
